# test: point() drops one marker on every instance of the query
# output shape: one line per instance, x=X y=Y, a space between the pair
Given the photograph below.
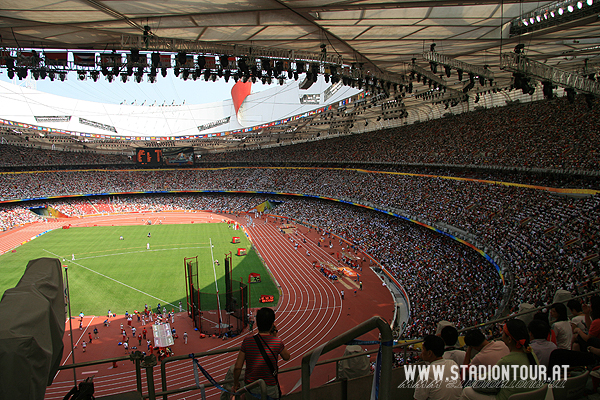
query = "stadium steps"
x=94 y=207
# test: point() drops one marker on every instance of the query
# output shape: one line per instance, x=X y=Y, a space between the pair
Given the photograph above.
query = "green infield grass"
x=123 y=275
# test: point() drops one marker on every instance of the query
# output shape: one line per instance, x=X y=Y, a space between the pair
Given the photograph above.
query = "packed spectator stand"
x=13 y=155
x=544 y=134
x=492 y=218
x=547 y=240
x=549 y=135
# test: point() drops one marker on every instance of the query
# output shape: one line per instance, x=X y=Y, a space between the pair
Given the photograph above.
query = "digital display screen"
x=151 y=157
x=179 y=156
x=266 y=298
x=172 y=157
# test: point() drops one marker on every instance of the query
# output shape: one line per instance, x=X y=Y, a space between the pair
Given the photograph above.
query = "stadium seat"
x=574 y=388
x=538 y=394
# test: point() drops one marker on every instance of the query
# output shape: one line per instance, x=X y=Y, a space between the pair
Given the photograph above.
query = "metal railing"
x=165 y=361
x=531 y=68
x=361 y=329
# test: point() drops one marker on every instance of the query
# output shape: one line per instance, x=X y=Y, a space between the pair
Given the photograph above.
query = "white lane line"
x=113 y=279
x=309 y=309
x=76 y=343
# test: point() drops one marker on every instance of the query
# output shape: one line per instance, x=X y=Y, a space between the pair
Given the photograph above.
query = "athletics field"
x=123 y=275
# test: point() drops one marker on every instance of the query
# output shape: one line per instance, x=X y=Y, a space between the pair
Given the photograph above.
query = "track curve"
x=309 y=313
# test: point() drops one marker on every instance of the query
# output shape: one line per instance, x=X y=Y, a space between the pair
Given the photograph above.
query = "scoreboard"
x=158 y=157
x=150 y=157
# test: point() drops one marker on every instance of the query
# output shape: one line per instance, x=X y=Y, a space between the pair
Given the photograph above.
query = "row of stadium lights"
x=552 y=13
x=21 y=73
x=270 y=70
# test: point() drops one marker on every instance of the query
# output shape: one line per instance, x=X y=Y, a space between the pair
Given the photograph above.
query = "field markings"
x=140 y=251
x=212 y=256
x=113 y=279
x=324 y=304
x=137 y=247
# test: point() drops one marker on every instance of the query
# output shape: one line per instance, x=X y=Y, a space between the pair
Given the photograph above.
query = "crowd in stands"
x=534 y=179
x=530 y=228
x=16 y=215
x=17 y=156
x=315 y=180
x=544 y=134
x=543 y=237
x=548 y=241
x=125 y=204
x=436 y=271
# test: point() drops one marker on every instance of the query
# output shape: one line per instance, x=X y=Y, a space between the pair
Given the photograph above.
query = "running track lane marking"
x=326 y=330
x=342 y=281
x=113 y=279
x=311 y=309
x=76 y=343
x=139 y=251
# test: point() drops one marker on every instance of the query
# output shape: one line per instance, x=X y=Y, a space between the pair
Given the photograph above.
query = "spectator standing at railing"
x=257 y=366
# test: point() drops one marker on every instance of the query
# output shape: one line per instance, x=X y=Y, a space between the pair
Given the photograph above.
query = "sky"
x=170 y=90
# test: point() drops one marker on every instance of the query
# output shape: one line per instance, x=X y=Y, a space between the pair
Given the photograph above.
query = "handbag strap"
x=259 y=343
x=273 y=369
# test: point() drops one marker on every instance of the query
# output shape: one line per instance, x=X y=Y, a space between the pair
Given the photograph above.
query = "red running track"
x=309 y=313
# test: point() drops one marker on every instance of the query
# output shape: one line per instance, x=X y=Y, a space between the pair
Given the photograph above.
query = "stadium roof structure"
x=447 y=50
x=384 y=35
